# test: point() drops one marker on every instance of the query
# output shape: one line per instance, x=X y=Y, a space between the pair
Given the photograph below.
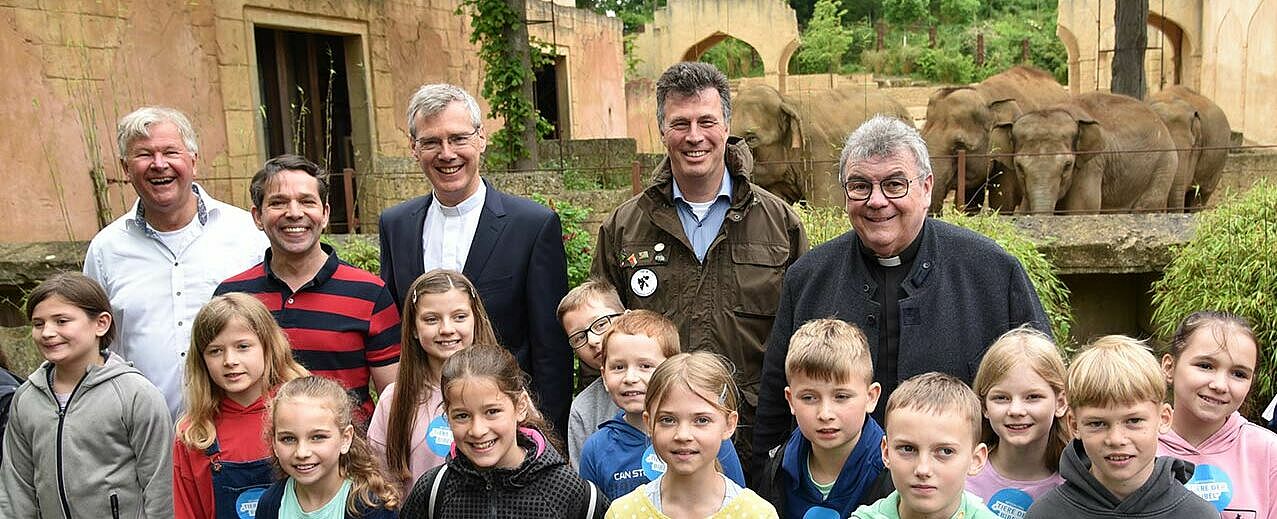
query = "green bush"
x=946 y=65
x=1231 y=265
x=576 y=239
x=825 y=223
x=358 y=250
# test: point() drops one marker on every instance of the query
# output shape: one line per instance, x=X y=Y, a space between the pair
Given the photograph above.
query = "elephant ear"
x=1089 y=139
x=1002 y=141
x=1005 y=111
x=795 y=125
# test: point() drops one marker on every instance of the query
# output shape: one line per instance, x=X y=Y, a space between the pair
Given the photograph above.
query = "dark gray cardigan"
x=963 y=292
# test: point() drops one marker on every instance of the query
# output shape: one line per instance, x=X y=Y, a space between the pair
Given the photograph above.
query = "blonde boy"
x=586 y=313
x=932 y=444
x=1116 y=412
x=618 y=458
x=832 y=461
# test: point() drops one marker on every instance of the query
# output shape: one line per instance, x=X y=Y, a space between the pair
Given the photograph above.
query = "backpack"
x=8 y=385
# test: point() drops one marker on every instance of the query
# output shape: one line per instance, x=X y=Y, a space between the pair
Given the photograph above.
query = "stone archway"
x=684 y=29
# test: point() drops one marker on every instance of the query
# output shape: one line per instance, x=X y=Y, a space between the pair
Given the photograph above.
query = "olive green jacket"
x=725 y=305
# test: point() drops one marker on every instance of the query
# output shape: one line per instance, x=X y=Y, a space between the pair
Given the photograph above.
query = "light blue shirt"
x=702 y=231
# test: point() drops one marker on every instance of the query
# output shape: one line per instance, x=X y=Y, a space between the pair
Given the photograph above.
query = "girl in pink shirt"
x=442 y=314
x=1021 y=386
x=1210 y=365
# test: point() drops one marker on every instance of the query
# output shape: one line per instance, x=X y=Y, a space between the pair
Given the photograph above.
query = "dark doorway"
x=305 y=109
x=551 y=96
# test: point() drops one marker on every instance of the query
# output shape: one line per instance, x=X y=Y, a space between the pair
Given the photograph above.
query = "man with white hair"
x=161 y=261
x=510 y=247
x=928 y=295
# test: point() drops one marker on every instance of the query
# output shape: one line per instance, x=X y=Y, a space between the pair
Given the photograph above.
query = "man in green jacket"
x=702 y=244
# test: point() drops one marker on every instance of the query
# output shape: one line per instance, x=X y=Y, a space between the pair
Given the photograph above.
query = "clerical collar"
x=474 y=201
x=904 y=258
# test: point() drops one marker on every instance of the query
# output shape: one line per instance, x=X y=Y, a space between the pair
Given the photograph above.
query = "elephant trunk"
x=943 y=168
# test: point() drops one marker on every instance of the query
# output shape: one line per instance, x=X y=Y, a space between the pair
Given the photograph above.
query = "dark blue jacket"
x=612 y=458
x=863 y=479
x=268 y=506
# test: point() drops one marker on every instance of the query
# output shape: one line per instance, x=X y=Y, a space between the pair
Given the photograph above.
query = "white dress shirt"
x=156 y=292
x=449 y=231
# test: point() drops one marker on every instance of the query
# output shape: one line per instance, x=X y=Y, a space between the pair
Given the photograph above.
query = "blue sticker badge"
x=439 y=436
x=820 y=512
x=653 y=465
x=1010 y=503
x=1213 y=485
x=246 y=503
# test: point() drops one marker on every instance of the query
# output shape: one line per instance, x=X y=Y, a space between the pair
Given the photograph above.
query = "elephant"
x=1065 y=160
x=960 y=118
x=1195 y=122
x=796 y=139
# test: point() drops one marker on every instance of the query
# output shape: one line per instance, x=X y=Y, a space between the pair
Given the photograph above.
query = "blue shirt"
x=701 y=232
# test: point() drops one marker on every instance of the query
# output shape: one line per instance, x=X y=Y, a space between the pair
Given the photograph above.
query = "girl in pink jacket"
x=1210 y=365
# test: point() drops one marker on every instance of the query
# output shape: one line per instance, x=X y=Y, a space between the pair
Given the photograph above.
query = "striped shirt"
x=339 y=324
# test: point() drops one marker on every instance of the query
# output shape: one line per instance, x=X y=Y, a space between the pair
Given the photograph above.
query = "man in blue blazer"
x=510 y=247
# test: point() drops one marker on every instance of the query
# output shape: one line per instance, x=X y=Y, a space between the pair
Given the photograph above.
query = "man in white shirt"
x=509 y=246
x=161 y=261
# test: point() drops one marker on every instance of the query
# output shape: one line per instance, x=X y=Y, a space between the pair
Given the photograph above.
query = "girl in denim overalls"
x=221 y=460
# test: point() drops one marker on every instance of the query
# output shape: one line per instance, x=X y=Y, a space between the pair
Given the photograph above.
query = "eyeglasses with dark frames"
x=580 y=338
x=859 y=189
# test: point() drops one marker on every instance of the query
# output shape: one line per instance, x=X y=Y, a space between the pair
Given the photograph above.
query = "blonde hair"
x=593 y=290
x=936 y=393
x=829 y=350
x=368 y=483
x=1025 y=347
x=498 y=365
x=203 y=397
x=416 y=380
x=647 y=323
x=1115 y=370
x=708 y=375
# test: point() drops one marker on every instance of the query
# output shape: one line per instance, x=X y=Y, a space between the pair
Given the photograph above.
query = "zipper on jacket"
x=62 y=412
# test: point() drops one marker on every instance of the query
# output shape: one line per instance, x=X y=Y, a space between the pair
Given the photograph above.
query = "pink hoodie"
x=1236 y=468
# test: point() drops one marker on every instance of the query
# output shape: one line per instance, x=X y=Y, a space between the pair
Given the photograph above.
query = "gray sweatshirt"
x=1081 y=496
x=114 y=439
x=589 y=410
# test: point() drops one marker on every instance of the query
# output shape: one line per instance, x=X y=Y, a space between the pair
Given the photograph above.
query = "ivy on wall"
x=501 y=32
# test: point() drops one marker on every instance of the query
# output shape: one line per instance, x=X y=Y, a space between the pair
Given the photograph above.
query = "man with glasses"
x=509 y=246
x=161 y=260
x=928 y=295
x=703 y=245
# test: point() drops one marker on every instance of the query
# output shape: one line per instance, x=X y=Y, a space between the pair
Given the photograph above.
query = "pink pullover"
x=1236 y=468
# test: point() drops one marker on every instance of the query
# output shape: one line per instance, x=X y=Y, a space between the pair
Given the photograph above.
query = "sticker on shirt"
x=439 y=436
x=820 y=512
x=1010 y=503
x=643 y=282
x=1213 y=485
x=653 y=465
x=246 y=503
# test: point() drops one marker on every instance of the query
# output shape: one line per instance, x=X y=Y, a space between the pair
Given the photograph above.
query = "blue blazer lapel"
x=487 y=234
x=417 y=229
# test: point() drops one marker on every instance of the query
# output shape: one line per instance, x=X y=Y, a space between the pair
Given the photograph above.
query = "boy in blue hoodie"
x=619 y=457
x=832 y=461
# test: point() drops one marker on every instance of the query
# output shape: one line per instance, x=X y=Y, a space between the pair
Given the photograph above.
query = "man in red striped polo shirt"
x=342 y=322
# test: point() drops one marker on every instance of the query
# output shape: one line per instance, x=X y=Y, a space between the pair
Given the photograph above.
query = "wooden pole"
x=348 y=181
x=636 y=180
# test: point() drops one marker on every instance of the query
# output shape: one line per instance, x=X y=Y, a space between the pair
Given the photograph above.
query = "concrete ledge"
x=1110 y=243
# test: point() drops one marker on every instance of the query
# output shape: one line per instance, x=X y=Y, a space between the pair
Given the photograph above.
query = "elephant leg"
x=1085 y=195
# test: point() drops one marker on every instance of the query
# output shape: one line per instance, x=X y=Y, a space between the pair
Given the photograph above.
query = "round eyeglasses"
x=435 y=144
x=580 y=338
x=859 y=189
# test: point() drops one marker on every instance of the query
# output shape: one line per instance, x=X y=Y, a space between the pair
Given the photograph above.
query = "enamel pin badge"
x=643 y=282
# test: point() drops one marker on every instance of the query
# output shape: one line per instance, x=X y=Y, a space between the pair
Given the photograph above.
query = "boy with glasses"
x=586 y=312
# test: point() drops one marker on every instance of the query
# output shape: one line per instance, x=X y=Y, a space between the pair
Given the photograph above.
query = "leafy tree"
x=962 y=12
x=735 y=58
x=826 y=40
x=907 y=12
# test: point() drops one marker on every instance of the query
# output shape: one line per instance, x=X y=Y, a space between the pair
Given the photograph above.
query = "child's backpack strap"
x=591 y=511
x=434 y=489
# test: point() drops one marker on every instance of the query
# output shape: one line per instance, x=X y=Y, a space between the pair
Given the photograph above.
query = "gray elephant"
x=1087 y=154
x=961 y=118
x=796 y=139
x=1195 y=122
